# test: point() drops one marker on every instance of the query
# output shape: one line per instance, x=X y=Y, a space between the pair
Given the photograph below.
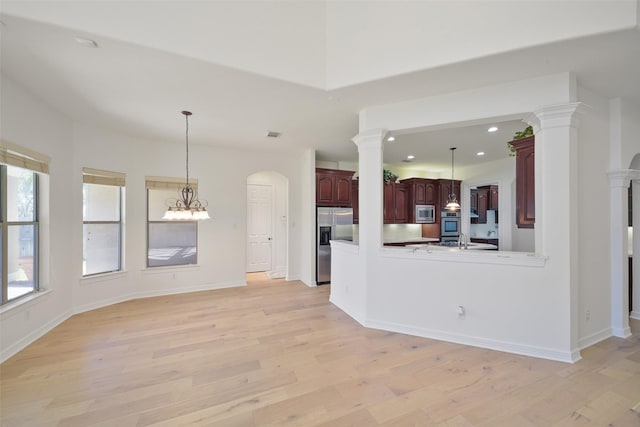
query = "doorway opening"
x=267 y=219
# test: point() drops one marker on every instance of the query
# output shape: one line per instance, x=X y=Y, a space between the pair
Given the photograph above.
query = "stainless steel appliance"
x=449 y=226
x=425 y=214
x=332 y=224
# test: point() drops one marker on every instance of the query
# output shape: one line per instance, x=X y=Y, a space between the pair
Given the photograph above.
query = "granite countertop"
x=413 y=240
x=470 y=247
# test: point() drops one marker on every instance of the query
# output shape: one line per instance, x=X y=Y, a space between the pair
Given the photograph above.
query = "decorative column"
x=618 y=208
x=370 y=145
x=556 y=181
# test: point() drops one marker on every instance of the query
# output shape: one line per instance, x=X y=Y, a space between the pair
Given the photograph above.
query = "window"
x=19 y=227
x=102 y=196
x=168 y=242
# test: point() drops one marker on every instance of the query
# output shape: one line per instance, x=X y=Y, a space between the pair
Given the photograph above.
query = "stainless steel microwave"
x=425 y=214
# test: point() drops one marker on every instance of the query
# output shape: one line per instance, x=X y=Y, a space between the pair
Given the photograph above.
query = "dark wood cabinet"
x=355 y=200
x=395 y=206
x=525 y=182
x=483 y=203
x=444 y=189
x=401 y=204
x=492 y=202
x=421 y=191
x=483 y=199
x=333 y=187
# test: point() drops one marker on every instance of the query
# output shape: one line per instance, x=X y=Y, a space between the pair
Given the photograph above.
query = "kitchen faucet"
x=463 y=241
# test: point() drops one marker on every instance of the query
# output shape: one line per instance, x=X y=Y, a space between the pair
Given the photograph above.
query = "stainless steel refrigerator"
x=331 y=224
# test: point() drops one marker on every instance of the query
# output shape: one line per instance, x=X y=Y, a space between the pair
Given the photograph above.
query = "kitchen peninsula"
x=519 y=302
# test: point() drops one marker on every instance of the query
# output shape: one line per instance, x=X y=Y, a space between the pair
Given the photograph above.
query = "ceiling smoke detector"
x=273 y=134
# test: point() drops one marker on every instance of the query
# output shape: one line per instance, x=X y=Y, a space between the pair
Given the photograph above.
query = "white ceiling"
x=141 y=90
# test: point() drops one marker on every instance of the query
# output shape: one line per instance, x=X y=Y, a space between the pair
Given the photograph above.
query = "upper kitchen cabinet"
x=484 y=199
x=482 y=195
x=355 y=200
x=334 y=187
x=444 y=189
x=473 y=209
x=525 y=181
x=421 y=191
x=395 y=207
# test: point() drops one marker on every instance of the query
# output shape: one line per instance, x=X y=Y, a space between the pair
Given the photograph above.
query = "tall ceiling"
x=304 y=69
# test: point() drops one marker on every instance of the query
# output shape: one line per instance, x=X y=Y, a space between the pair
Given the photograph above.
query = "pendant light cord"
x=186 y=118
x=452 y=149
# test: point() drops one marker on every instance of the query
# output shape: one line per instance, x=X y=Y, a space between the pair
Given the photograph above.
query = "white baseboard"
x=594 y=338
x=154 y=293
x=635 y=315
x=32 y=336
x=184 y=290
x=621 y=332
x=102 y=303
x=354 y=314
x=278 y=272
x=525 y=350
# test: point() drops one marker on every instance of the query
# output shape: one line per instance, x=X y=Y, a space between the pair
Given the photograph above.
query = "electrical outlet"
x=461 y=312
x=588 y=314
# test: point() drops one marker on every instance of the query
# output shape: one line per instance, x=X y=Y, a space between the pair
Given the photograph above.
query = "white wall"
x=593 y=219
x=630 y=132
x=222 y=176
x=29 y=123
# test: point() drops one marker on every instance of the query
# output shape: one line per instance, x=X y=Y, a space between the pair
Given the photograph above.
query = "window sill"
x=170 y=269
x=24 y=303
x=103 y=277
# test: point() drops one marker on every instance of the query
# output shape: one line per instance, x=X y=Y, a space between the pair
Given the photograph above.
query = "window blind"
x=98 y=176
x=11 y=154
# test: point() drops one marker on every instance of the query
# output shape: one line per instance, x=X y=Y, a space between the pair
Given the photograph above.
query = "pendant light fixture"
x=187 y=207
x=452 y=203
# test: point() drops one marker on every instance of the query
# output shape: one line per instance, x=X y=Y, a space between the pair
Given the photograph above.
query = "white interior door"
x=259 y=233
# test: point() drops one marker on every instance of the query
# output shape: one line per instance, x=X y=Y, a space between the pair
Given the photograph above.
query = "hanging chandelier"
x=452 y=202
x=187 y=207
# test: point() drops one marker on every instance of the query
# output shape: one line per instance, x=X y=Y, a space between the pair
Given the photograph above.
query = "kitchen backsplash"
x=396 y=232
x=488 y=230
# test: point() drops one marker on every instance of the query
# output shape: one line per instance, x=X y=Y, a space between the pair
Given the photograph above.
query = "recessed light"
x=480 y=153
x=411 y=157
x=86 y=42
x=273 y=134
x=391 y=138
x=492 y=129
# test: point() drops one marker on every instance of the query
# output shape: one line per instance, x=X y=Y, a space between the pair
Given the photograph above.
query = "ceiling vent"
x=272 y=134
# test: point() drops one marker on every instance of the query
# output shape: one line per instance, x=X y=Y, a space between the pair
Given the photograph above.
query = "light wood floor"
x=278 y=353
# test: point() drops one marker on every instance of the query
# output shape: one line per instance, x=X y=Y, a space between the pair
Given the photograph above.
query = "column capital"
x=372 y=138
x=556 y=116
x=622 y=177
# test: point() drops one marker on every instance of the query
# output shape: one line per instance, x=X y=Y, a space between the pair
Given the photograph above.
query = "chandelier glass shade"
x=452 y=202
x=187 y=207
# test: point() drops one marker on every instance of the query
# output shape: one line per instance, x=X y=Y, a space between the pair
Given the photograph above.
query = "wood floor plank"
x=278 y=353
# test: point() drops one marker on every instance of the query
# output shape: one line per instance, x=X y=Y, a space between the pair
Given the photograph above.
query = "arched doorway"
x=267 y=219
